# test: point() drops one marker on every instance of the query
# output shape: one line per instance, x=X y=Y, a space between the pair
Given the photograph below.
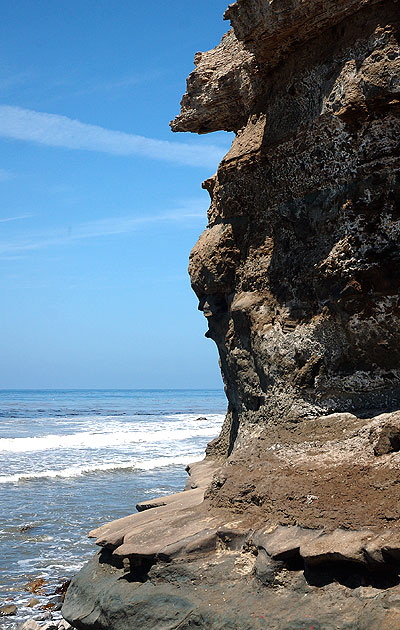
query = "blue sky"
x=100 y=202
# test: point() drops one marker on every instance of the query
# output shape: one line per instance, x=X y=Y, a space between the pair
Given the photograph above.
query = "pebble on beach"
x=35 y=586
x=8 y=610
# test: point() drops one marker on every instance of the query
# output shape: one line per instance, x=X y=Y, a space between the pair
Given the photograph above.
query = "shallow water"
x=72 y=460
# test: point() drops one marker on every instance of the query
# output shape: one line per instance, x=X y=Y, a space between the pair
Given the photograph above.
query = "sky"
x=100 y=202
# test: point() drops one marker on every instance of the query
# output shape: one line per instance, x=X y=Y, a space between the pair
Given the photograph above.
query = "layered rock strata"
x=293 y=520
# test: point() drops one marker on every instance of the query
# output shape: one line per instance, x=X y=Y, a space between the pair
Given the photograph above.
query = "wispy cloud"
x=108 y=226
x=59 y=131
x=18 y=218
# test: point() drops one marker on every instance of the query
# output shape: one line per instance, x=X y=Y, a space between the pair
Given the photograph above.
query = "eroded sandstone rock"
x=302 y=297
x=294 y=520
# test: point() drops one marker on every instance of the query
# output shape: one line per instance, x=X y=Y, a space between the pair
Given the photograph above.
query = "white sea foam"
x=28 y=561
x=76 y=471
x=104 y=439
x=211 y=417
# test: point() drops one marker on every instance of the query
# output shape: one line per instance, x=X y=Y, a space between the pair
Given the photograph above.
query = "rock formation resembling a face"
x=298 y=271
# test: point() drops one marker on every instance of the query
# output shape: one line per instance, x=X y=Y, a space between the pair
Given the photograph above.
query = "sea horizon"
x=105 y=389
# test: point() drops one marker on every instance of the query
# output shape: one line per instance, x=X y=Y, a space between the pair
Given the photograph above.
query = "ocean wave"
x=96 y=440
x=77 y=471
x=184 y=416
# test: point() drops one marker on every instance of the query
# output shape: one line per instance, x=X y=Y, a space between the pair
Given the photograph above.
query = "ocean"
x=71 y=460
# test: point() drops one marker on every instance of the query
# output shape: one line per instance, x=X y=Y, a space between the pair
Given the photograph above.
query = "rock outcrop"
x=294 y=518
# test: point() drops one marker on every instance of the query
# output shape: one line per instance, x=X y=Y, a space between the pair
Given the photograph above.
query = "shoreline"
x=44 y=520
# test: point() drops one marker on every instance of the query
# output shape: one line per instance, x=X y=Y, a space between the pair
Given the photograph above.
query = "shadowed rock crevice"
x=353 y=575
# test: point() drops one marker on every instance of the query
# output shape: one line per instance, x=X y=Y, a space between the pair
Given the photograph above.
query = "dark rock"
x=62 y=589
x=26 y=528
x=233 y=590
x=265 y=568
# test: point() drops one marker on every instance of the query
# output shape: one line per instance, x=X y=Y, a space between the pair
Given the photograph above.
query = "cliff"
x=292 y=521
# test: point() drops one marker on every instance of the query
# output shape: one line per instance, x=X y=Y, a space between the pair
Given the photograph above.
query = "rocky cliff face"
x=296 y=517
x=297 y=271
